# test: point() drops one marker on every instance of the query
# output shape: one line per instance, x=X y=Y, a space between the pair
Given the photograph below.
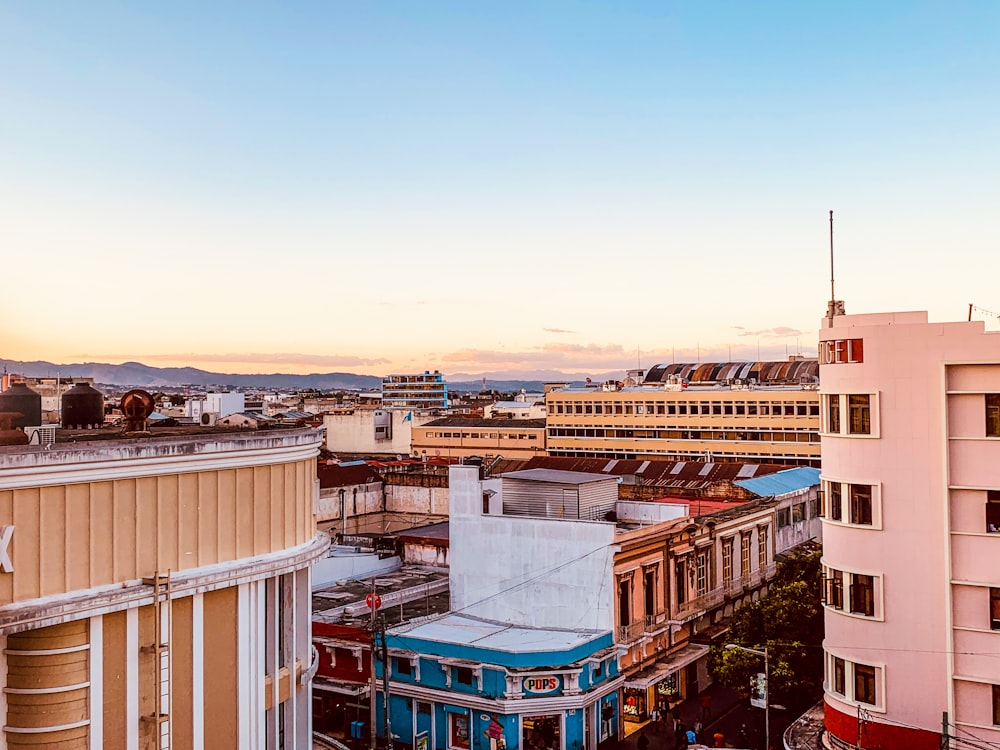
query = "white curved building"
x=910 y=425
x=154 y=592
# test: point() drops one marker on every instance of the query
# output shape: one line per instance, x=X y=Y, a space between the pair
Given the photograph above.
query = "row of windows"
x=484 y=435
x=853 y=681
x=851 y=592
x=672 y=408
x=848 y=414
x=849 y=502
x=798 y=512
x=787 y=436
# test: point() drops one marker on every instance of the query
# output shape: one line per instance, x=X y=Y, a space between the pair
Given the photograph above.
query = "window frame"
x=839 y=417
x=991 y=411
x=843 y=495
x=871 y=680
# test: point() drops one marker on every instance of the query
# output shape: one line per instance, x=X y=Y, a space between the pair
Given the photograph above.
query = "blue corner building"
x=462 y=683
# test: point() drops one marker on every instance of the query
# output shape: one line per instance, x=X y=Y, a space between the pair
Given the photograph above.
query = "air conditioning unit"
x=209 y=418
x=41 y=435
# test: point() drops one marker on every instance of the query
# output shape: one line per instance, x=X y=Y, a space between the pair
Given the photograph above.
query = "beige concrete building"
x=460 y=437
x=155 y=591
x=752 y=411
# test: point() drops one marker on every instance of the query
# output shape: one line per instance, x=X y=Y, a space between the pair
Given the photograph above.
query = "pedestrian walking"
x=680 y=736
x=698 y=726
x=691 y=738
x=654 y=717
x=643 y=742
x=706 y=707
x=718 y=740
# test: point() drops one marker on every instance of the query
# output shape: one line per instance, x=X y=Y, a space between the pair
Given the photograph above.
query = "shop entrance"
x=541 y=732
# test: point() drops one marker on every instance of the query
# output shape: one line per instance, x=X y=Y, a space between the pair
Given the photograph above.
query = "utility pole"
x=944 y=727
x=385 y=684
x=371 y=688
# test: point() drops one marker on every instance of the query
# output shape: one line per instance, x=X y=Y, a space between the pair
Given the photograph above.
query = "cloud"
x=288 y=358
x=557 y=330
x=777 y=332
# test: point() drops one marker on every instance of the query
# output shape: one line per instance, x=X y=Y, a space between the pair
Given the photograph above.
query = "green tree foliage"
x=788 y=622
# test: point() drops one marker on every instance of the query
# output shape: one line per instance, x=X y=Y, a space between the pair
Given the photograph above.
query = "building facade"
x=426 y=391
x=154 y=592
x=461 y=437
x=911 y=477
x=773 y=419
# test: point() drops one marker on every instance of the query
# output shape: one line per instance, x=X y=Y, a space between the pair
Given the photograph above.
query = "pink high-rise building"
x=910 y=425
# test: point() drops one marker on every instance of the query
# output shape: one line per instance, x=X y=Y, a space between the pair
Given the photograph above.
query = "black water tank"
x=82 y=407
x=22 y=399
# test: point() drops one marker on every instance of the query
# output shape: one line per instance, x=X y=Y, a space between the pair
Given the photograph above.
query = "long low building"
x=754 y=411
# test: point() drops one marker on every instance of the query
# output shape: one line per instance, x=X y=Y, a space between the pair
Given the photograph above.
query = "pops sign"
x=541 y=684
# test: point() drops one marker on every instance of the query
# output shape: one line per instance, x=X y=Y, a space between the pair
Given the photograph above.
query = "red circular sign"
x=374 y=601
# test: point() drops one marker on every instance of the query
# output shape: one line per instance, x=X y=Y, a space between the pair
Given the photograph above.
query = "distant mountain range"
x=139 y=375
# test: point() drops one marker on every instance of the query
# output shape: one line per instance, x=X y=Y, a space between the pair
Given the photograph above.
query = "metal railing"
x=654 y=619
x=706 y=600
x=629 y=633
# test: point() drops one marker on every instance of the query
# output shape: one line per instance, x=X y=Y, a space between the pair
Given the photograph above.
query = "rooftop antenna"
x=835 y=306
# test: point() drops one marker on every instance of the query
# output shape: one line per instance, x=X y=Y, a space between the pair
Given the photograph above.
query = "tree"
x=788 y=621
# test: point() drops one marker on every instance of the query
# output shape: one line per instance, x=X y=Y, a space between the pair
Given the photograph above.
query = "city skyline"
x=480 y=189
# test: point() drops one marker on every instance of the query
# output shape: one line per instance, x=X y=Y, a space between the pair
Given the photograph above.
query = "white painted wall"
x=406 y=499
x=355 y=432
x=648 y=513
x=367 y=500
x=539 y=572
x=345 y=564
x=225 y=403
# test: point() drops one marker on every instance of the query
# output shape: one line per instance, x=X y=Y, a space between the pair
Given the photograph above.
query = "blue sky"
x=486 y=187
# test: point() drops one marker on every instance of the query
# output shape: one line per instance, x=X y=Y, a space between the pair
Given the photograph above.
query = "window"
x=783 y=518
x=994 y=609
x=814 y=507
x=762 y=547
x=463 y=675
x=836 y=501
x=833 y=414
x=861 y=504
x=702 y=573
x=864 y=684
x=745 y=554
x=458 y=731
x=993 y=511
x=863 y=595
x=996 y=704
x=835 y=589
x=839 y=682
x=798 y=512
x=624 y=598
x=993 y=415
x=650 y=591
x=403 y=667
x=860 y=414
x=727 y=560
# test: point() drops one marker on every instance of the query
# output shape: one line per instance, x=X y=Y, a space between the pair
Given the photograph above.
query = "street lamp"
x=767 y=691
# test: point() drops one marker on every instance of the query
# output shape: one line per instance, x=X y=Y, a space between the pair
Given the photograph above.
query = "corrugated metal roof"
x=781 y=483
x=559 y=477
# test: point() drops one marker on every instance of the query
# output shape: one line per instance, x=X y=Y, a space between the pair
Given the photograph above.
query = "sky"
x=493 y=188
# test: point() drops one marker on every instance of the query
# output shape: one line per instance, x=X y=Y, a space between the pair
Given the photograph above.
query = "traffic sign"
x=374 y=601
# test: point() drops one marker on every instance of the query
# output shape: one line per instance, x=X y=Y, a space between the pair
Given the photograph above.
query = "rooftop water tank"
x=82 y=407
x=26 y=402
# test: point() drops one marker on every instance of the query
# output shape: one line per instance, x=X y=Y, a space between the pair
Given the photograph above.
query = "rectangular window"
x=833 y=413
x=463 y=675
x=839 y=682
x=798 y=512
x=458 y=731
x=860 y=414
x=727 y=560
x=836 y=501
x=624 y=600
x=745 y=554
x=863 y=595
x=864 y=684
x=702 y=573
x=403 y=667
x=650 y=592
x=783 y=518
x=835 y=589
x=996 y=704
x=993 y=511
x=993 y=415
x=994 y=609
x=762 y=547
x=861 y=504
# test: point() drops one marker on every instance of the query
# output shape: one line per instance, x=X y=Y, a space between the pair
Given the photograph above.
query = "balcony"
x=629 y=633
x=688 y=609
x=734 y=587
x=655 y=621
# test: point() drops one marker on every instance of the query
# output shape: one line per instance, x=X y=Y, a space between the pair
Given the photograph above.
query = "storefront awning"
x=668 y=664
